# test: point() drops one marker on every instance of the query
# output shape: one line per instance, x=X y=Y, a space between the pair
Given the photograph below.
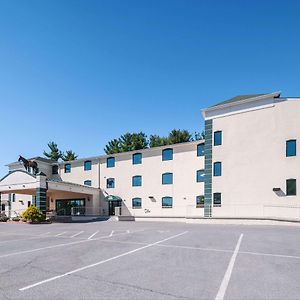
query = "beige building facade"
x=247 y=167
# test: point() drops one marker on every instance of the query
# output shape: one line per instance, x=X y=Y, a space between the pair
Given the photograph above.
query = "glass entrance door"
x=68 y=207
x=112 y=205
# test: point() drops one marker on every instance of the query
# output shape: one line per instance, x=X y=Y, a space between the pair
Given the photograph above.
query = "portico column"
x=41 y=192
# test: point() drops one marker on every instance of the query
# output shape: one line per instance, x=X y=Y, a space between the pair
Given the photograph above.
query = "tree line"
x=129 y=142
x=137 y=141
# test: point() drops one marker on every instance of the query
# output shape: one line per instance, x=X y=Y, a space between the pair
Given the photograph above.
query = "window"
x=217 y=138
x=200 y=201
x=110 y=183
x=290 y=148
x=167 y=178
x=110 y=162
x=200 y=176
x=167 y=202
x=87 y=165
x=54 y=170
x=67 y=168
x=167 y=154
x=88 y=182
x=217 y=168
x=217 y=199
x=137 y=158
x=136 y=203
x=291 y=187
x=13 y=197
x=137 y=181
x=200 y=150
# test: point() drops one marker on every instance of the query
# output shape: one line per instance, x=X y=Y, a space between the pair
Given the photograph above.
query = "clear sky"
x=83 y=72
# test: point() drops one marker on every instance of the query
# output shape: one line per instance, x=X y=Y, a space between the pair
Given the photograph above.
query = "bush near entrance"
x=33 y=214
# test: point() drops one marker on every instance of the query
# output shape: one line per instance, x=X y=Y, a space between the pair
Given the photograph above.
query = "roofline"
x=14 y=171
x=177 y=145
x=229 y=104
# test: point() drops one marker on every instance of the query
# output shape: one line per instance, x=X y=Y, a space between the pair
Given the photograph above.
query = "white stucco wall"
x=253 y=156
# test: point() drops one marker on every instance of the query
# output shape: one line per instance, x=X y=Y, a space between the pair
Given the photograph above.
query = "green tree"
x=69 y=155
x=156 y=141
x=54 y=153
x=179 y=136
x=127 y=142
x=112 y=147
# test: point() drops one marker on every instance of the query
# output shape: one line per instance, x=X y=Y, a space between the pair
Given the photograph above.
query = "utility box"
x=118 y=211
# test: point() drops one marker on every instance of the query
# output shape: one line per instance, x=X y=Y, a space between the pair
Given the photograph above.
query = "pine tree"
x=55 y=153
x=69 y=155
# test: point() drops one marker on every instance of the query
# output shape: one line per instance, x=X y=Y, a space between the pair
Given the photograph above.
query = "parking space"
x=149 y=260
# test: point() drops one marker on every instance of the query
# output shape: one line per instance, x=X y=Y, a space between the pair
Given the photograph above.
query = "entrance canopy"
x=23 y=182
x=112 y=198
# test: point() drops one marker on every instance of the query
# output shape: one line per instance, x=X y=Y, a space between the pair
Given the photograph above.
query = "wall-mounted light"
x=276 y=189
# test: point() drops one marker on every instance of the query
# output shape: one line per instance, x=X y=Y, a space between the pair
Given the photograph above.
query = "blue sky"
x=83 y=72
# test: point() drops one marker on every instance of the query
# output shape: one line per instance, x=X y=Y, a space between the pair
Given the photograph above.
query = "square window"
x=137 y=181
x=167 y=154
x=167 y=202
x=137 y=158
x=167 y=178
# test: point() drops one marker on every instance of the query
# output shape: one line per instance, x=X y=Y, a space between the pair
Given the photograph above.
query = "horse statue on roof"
x=29 y=164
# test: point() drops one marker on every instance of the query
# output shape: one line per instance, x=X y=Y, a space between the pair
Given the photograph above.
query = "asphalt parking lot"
x=149 y=260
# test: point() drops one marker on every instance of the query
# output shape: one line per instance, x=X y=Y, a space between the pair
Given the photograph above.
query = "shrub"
x=3 y=218
x=16 y=219
x=33 y=214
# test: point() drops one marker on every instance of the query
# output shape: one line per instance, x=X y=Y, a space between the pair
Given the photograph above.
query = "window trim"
x=109 y=159
x=203 y=170
x=132 y=180
x=202 y=153
x=217 y=163
x=113 y=180
x=217 y=205
x=88 y=180
x=163 y=153
x=65 y=168
x=200 y=205
x=287 y=189
x=164 y=206
x=134 y=155
x=84 y=165
x=162 y=178
x=221 y=137
x=286 y=147
x=136 y=207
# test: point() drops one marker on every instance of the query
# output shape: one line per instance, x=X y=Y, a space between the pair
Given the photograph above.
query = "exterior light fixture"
x=276 y=189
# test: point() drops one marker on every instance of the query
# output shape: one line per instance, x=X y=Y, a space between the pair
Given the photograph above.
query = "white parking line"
x=112 y=232
x=61 y=233
x=226 y=278
x=76 y=234
x=99 y=262
x=91 y=236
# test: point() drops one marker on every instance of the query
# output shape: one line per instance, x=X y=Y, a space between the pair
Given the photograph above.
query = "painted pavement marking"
x=76 y=234
x=226 y=278
x=91 y=236
x=99 y=262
